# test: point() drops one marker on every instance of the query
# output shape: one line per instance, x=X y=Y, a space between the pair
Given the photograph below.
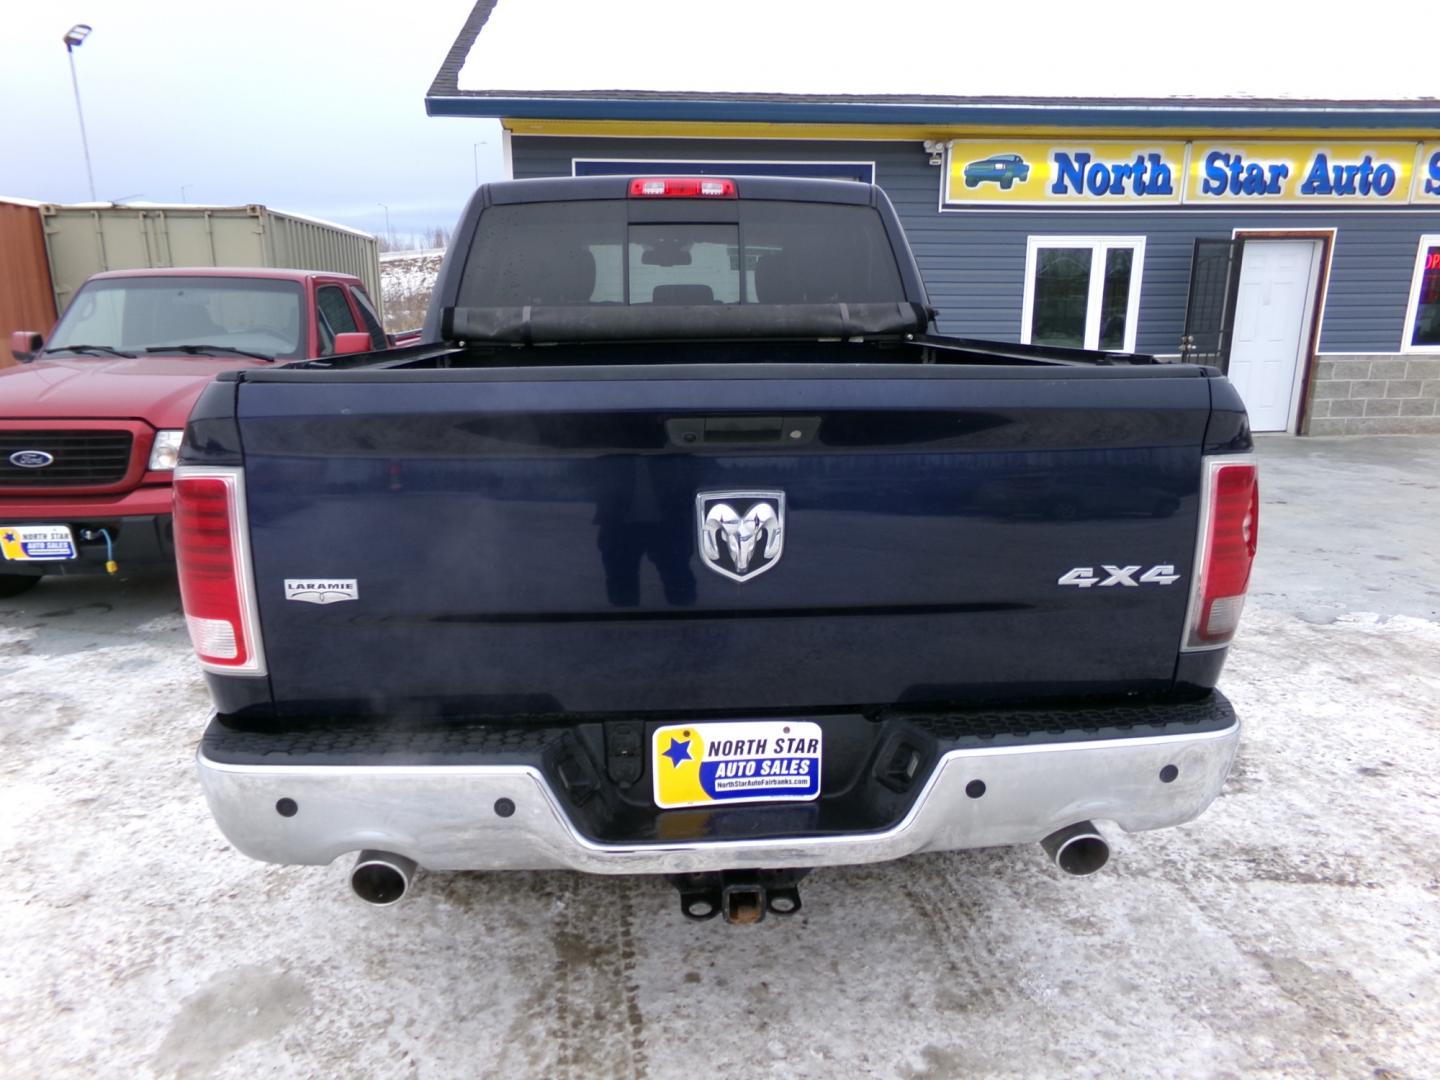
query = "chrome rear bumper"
x=506 y=817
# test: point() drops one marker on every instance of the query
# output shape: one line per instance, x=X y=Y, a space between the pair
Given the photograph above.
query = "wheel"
x=970 y=181
x=15 y=584
x=1007 y=183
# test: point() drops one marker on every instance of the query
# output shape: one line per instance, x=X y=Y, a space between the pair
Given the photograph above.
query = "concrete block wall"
x=1374 y=395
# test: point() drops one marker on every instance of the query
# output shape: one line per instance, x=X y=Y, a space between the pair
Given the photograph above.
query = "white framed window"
x=1422 y=317
x=1082 y=291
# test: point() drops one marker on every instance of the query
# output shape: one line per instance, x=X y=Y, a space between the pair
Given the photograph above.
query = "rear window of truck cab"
x=594 y=252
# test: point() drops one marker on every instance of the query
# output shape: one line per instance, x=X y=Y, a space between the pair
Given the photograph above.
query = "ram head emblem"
x=737 y=543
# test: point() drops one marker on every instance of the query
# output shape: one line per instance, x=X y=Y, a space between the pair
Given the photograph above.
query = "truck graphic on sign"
x=1002 y=169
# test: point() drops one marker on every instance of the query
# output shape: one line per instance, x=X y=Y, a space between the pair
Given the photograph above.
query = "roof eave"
x=1059 y=113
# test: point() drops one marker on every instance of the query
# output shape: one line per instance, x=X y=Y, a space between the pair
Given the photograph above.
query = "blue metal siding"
x=824 y=170
x=974 y=261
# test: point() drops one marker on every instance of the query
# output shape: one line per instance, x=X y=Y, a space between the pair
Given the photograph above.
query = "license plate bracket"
x=37 y=543
x=737 y=761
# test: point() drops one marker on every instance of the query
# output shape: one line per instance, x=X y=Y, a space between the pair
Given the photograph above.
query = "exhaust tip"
x=380 y=878
x=1077 y=849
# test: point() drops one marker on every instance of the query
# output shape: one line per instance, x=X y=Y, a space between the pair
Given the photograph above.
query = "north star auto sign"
x=1033 y=172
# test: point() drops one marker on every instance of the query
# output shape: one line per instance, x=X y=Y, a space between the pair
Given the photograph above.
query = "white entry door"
x=1273 y=310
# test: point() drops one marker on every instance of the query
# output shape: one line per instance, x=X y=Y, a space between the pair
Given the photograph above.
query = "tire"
x=970 y=181
x=1006 y=184
x=15 y=584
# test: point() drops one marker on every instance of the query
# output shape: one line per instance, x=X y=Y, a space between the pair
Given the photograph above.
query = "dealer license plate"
x=36 y=543
x=753 y=761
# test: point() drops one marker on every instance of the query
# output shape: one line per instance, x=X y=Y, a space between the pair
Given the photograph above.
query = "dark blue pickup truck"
x=684 y=545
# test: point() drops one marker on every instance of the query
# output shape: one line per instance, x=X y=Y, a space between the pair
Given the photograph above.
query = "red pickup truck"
x=90 y=421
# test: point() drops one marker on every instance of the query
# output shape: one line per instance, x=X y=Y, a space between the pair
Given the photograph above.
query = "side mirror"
x=25 y=344
x=355 y=341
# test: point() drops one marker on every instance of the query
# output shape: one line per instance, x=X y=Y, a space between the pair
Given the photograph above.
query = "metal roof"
x=456 y=90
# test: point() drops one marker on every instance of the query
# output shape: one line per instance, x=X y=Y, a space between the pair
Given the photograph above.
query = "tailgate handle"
x=765 y=431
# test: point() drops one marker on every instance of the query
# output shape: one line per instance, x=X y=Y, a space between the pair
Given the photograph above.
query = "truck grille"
x=82 y=458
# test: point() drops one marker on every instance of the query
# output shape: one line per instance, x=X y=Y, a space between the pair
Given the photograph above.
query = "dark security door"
x=1210 y=309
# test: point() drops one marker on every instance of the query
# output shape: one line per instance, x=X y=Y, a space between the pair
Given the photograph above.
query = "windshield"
x=133 y=314
x=587 y=252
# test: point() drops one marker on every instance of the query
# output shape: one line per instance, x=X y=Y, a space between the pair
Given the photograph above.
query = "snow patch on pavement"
x=1292 y=928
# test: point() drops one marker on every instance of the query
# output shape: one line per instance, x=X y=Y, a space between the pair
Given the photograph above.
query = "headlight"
x=166 y=450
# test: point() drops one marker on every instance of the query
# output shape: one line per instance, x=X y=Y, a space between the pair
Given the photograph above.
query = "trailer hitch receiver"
x=743 y=897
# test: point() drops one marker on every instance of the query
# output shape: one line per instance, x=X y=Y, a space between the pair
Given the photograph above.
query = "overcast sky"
x=318 y=108
x=308 y=107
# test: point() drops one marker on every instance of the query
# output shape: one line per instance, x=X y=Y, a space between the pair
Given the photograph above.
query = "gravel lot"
x=1293 y=930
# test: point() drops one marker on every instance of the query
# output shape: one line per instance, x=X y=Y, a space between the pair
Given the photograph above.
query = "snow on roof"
x=184 y=208
x=322 y=222
x=925 y=48
x=138 y=204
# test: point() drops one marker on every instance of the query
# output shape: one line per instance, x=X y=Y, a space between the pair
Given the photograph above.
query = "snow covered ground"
x=406 y=279
x=1293 y=930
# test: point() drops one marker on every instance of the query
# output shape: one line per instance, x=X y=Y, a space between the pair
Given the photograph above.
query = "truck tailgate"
x=528 y=540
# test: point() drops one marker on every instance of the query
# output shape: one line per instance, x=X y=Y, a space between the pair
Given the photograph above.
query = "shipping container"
x=26 y=299
x=83 y=240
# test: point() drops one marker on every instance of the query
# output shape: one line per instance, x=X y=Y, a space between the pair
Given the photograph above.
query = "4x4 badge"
x=741 y=533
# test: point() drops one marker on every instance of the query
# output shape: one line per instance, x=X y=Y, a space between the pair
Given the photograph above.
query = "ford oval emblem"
x=31 y=459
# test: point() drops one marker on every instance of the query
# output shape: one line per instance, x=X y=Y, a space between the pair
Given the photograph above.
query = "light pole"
x=475 y=153
x=76 y=35
x=389 y=238
x=182 y=192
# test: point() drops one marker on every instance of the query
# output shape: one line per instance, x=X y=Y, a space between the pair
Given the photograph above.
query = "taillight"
x=682 y=187
x=212 y=556
x=1229 y=528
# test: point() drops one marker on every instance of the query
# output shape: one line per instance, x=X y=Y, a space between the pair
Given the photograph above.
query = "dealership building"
x=1294 y=241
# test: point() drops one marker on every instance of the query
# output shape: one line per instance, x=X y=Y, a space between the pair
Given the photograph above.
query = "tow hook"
x=743 y=897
